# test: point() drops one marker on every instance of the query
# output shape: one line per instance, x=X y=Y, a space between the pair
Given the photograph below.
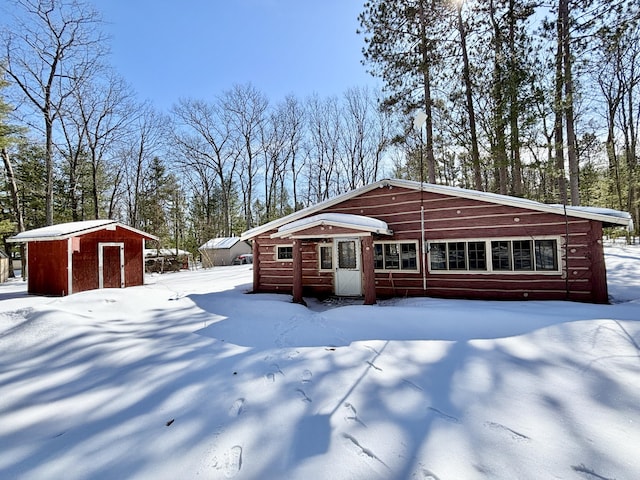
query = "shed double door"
x=111 y=265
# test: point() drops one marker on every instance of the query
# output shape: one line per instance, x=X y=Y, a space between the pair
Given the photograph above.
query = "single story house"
x=221 y=251
x=405 y=238
x=77 y=256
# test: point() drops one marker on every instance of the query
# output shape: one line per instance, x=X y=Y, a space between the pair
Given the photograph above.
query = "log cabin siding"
x=451 y=218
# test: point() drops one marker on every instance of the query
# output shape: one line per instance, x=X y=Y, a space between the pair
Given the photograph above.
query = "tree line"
x=510 y=96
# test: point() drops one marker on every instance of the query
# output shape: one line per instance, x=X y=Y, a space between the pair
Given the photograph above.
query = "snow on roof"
x=359 y=222
x=70 y=229
x=220 y=243
x=163 y=252
x=60 y=230
x=606 y=216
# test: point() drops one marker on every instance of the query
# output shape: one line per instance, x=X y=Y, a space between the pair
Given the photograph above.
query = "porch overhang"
x=331 y=225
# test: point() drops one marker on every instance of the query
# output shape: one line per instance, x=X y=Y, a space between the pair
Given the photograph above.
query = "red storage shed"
x=73 y=257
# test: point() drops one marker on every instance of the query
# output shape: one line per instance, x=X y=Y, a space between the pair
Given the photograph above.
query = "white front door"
x=348 y=278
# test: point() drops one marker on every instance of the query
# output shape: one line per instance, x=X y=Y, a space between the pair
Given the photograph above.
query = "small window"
x=391 y=256
x=378 y=256
x=285 y=252
x=522 y=255
x=326 y=257
x=457 y=256
x=477 y=256
x=408 y=256
x=546 y=255
x=438 y=256
x=501 y=255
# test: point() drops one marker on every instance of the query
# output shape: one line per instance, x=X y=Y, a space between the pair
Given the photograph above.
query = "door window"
x=347 y=254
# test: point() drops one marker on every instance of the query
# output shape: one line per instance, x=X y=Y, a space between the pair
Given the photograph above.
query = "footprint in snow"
x=237 y=408
x=352 y=415
x=303 y=396
x=501 y=428
x=306 y=376
x=444 y=416
x=424 y=474
x=233 y=461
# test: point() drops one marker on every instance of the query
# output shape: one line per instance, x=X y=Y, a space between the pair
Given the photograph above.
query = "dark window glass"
x=546 y=255
x=477 y=255
x=501 y=255
x=347 y=254
x=437 y=256
x=391 y=256
x=326 y=257
x=457 y=256
x=285 y=253
x=409 y=256
x=378 y=258
x=522 y=255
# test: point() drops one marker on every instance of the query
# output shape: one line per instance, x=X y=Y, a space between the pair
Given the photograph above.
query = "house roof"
x=354 y=222
x=63 y=231
x=220 y=243
x=606 y=216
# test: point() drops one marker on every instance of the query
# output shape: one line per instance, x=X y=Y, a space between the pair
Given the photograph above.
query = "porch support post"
x=297 y=272
x=368 y=270
x=256 y=265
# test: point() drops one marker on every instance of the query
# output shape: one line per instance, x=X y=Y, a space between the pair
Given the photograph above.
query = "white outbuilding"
x=222 y=251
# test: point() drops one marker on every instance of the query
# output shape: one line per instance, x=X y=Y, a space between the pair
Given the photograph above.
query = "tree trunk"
x=574 y=186
x=558 y=108
x=428 y=101
x=15 y=204
x=466 y=76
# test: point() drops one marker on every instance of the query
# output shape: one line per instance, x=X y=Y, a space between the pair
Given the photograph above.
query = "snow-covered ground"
x=189 y=377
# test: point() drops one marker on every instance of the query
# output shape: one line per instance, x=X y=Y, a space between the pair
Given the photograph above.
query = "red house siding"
x=446 y=217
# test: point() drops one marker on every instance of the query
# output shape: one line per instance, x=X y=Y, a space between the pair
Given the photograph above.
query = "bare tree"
x=145 y=140
x=246 y=109
x=52 y=48
x=203 y=140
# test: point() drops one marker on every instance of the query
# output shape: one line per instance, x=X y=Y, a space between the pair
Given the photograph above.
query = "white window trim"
x=490 y=271
x=333 y=260
x=277 y=249
x=400 y=269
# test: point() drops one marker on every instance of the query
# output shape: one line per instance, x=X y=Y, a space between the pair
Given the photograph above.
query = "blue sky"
x=169 y=49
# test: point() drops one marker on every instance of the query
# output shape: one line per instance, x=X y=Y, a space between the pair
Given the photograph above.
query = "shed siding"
x=50 y=276
x=455 y=218
x=85 y=261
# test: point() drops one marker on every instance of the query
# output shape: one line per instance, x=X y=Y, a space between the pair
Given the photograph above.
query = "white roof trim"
x=620 y=218
x=63 y=231
x=344 y=220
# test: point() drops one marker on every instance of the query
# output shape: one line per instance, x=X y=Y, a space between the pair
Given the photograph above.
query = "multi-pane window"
x=546 y=255
x=517 y=255
x=326 y=257
x=284 y=252
x=477 y=255
x=395 y=256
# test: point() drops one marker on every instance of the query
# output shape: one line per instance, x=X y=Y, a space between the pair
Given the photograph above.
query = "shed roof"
x=606 y=216
x=220 y=243
x=63 y=231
